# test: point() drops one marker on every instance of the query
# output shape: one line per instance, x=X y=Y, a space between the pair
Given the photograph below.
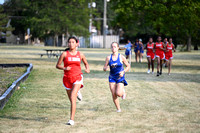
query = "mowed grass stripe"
x=164 y=104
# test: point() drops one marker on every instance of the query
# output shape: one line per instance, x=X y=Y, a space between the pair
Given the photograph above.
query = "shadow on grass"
x=24 y=118
x=187 y=56
x=174 y=77
x=186 y=67
x=36 y=54
x=143 y=76
x=43 y=59
x=102 y=62
x=97 y=62
x=22 y=48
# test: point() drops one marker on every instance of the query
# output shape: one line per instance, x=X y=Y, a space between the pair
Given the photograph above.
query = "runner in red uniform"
x=169 y=55
x=160 y=55
x=150 y=54
x=165 y=43
x=73 y=78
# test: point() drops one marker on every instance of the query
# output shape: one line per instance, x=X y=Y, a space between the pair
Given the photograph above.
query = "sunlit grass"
x=153 y=104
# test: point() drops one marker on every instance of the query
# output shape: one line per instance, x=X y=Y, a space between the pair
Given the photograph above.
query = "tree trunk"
x=189 y=43
x=63 y=40
x=56 y=40
x=67 y=36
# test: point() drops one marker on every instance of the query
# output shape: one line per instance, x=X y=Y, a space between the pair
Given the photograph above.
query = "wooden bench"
x=50 y=55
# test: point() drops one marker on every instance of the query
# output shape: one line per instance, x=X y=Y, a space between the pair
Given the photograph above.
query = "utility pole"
x=29 y=37
x=91 y=6
x=104 y=23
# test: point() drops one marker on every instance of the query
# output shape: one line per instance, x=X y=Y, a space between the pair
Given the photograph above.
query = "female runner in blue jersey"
x=137 y=50
x=117 y=74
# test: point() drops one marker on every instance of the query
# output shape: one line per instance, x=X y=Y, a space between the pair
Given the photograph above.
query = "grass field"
x=153 y=104
x=9 y=76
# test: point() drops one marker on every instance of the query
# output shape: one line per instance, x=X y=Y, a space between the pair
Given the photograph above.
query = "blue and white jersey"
x=128 y=46
x=116 y=66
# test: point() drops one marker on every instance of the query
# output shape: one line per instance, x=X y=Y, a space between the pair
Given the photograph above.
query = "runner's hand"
x=87 y=70
x=105 y=68
x=121 y=74
x=67 y=68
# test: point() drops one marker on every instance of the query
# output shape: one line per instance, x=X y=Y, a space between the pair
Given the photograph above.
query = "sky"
x=1 y=1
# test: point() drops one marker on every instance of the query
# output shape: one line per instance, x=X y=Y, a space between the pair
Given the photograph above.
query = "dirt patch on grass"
x=8 y=76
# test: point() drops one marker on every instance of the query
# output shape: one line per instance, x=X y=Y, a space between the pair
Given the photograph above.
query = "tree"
x=3 y=21
x=53 y=17
x=179 y=18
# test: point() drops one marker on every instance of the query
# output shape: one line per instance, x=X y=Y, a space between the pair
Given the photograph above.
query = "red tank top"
x=150 y=47
x=73 y=61
x=169 y=48
x=158 y=46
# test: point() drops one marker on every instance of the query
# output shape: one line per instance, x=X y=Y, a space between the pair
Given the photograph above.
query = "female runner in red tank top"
x=160 y=55
x=165 y=43
x=150 y=54
x=169 y=55
x=72 y=79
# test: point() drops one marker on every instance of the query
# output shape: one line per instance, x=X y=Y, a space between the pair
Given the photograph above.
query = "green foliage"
x=50 y=17
x=3 y=20
x=168 y=17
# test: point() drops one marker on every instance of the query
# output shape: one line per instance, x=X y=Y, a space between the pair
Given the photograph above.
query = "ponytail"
x=67 y=49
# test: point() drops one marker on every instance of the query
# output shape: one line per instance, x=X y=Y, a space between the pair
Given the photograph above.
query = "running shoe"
x=119 y=110
x=168 y=73
x=70 y=122
x=158 y=74
x=148 y=71
x=79 y=96
x=152 y=72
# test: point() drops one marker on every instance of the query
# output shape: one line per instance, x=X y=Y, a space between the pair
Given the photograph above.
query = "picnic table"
x=53 y=52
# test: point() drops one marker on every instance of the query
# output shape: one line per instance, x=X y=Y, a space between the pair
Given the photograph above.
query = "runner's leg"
x=152 y=64
x=73 y=97
x=113 y=91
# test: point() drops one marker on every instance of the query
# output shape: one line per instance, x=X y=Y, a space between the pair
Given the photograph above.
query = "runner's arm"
x=106 y=63
x=87 y=69
x=163 y=48
x=133 y=45
x=142 y=46
x=60 y=60
x=121 y=74
x=126 y=64
x=154 y=48
x=174 y=48
x=146 y=46
x=122 y=48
